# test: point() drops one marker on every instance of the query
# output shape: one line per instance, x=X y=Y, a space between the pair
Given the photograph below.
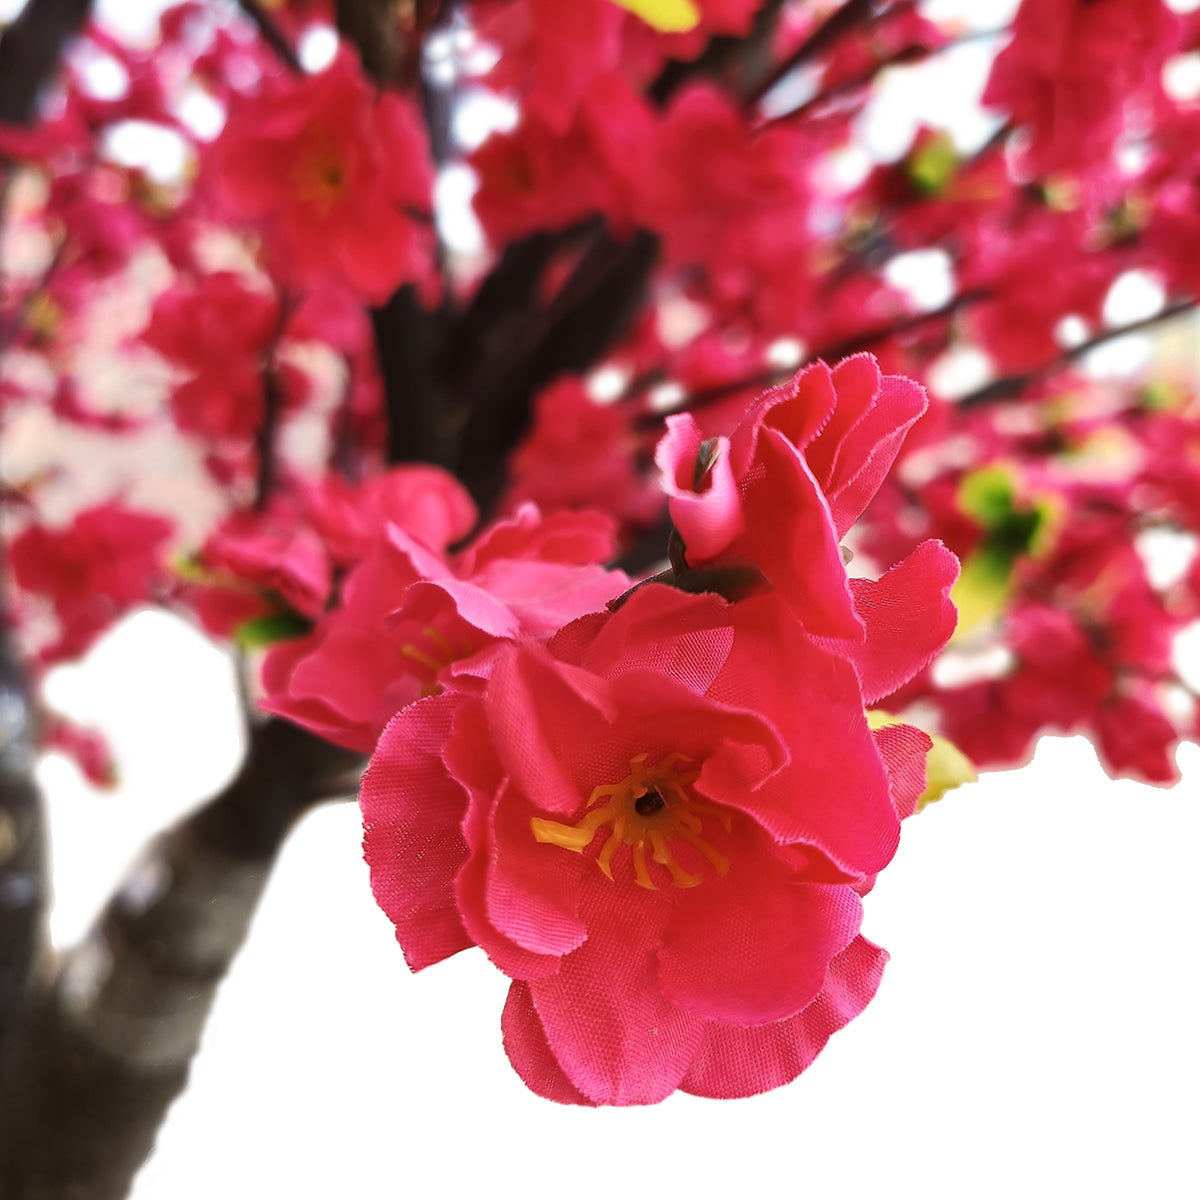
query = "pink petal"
x=531 y=893
x=754 y=946
x=411 y=839
x=872 y=446
x=708 y=519
x=800 y=408
x=471 y=893
x=833 y=794
x=732 y=1061
x=904 y=749
x=617 y=1038
x=658 y=628
x=790 y=534
x=908 y=616
x=529 y=1052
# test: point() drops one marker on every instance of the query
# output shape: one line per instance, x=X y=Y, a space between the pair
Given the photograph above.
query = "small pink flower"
x=411 y=623
x=339 y=176
x=790 y=481
x=106 y=561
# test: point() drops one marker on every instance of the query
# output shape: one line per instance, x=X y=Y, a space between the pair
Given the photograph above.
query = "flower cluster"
x=659 y=820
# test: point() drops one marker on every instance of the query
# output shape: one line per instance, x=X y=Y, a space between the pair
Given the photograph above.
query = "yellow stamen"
x=650 y=806
x=410 y=651
x=439 y=640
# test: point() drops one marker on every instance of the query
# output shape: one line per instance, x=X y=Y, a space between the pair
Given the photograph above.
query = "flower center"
x=320 y=172
x=652 y=806
x=436 y=655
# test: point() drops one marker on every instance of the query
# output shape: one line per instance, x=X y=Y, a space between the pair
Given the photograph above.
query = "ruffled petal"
x=833 y=794
x=732 y=1062
x=908 y=616
x=753 y=947
x=412 y=842
x=529 y=1052
x=607 y=1023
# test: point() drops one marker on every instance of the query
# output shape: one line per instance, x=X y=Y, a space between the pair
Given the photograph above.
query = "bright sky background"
x=1035 y=1034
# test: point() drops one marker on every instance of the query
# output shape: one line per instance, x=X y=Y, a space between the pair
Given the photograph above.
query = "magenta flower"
x=659 y=823
x=659 y=829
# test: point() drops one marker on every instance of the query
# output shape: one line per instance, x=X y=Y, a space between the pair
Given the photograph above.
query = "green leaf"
x=987 y=495
x=932 y=166
x=266 y=631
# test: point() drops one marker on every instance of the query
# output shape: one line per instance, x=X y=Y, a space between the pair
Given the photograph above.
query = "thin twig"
x=1011 y=386
x=851 y=14
x=769 y=377
x=271 y=34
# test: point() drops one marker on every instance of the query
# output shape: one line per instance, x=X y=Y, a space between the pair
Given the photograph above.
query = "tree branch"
x=374 y=27
x=1011 y=386
x=23 y=876
x=110 y=1040
x=271 y=34
x=842 y=20
x=30 y=51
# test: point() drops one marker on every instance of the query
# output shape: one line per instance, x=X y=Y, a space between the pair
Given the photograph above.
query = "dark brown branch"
x=588 y=313
x=1011 y=386
x=374 y=27
x=110 y=1041
x=30 y=51
x=770 y=376
x=737 y=60
x=842 y=20
x=271 y=34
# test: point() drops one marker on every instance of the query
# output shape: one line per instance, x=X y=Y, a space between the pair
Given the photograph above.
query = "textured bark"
x=110 y=1038
x=30 y=51
x=23 y=874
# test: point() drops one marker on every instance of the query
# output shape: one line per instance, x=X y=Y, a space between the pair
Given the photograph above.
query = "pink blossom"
x=790 y=481
x=338 y=175
x=411 y=623
x=704 y=933
x=106 y=561
x=218 y=332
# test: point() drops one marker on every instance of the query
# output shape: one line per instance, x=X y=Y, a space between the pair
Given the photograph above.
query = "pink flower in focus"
x=789 y=482
x=659 y=830
x=659 y=823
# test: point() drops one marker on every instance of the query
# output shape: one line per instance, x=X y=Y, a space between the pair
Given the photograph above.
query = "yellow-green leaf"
x=667 y=16
x=982 y=589
x=933 y=165
x=946 y=766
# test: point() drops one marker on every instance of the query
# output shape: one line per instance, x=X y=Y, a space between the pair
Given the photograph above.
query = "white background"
x=1035 y=1033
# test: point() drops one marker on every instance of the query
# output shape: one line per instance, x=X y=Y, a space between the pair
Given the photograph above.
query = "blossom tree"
x=657 y=551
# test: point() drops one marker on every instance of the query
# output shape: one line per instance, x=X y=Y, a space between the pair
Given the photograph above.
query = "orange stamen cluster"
x=320 y=171
x=650 y=807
